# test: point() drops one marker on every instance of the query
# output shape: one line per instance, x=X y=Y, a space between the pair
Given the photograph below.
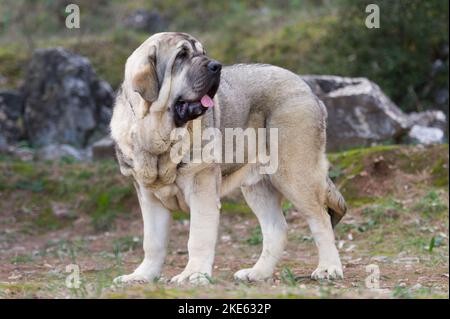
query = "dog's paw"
x=329 y=272
x=195 y=278
x=251 y=274
x=135 y=278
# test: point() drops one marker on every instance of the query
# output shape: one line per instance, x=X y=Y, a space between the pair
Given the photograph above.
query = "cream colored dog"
x=169 y=81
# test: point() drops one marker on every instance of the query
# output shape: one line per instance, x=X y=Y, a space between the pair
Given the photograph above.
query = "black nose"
x=214 y=66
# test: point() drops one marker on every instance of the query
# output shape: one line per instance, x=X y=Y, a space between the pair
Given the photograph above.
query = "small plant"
x=288 y=277
x=22 y=258
x=335 y=172
x=401 y=292
x=126 y=243
x=287 y=206
x=431 y=203
x=386 y=210
x=432 y=243
x=256 y=237
x=435 y=241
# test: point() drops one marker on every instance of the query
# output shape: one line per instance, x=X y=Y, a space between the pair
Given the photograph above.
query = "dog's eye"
x=182 y=54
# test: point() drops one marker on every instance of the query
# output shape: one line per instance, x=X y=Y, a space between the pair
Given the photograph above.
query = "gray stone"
x=3 y=80
x=20 y=152
x=65 y=103
x=103 y=149
x=441 y=96
x=359 y=113
x=11 y=124
x=431 y=118
x=426 y=135
x=56 y=152
x=147 y=21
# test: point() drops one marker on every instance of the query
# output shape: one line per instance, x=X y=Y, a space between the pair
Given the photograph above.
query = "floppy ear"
x=145 y=82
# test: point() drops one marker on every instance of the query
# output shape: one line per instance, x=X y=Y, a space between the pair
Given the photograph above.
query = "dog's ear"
x=145 y=82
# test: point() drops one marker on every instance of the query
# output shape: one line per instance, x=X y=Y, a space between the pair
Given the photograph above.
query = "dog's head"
x=172 y=73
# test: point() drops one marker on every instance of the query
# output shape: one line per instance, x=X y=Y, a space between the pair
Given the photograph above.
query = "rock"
x=380 y=259
x=103 y=149
x=147 y=21
x=3 y=80
x=18 y=152
x=65 y=103
x=441 y=97
x=426 y=135
x=62 y=211
x=431 y=118
x=56 y=152
x=11 y=124
x=359 y=113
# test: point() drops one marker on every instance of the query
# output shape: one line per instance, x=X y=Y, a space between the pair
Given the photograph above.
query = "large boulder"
x=360 y=114
x=65 y=103
x=146 y=21
x=11 y=123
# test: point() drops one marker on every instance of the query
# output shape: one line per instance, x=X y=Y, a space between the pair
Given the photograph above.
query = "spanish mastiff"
x=169 y=84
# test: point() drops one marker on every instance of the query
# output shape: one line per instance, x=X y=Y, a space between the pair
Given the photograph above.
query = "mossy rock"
x=352 y=169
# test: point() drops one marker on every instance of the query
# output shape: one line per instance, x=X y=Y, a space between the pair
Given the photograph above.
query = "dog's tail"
x=335 y=203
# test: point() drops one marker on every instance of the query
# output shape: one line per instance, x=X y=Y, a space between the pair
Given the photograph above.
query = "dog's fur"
x=255 y=96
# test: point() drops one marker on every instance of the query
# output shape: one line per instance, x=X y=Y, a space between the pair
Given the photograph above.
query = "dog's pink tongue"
x=207 y=101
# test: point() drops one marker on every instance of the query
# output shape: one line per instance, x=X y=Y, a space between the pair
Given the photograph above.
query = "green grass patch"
x=431 y=204
x=256 y=237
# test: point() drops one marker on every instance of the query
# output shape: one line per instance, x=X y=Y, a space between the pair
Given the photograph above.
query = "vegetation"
x=69 y=212
x=306 y=36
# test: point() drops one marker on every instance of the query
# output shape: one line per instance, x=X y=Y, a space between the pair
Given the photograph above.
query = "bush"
x=399 y=56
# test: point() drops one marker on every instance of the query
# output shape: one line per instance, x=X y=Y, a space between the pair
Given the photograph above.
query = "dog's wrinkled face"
x=194 y=78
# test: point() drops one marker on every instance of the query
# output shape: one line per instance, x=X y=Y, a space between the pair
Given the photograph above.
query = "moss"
x=440 y=173
x=24 y=290
x=431 y=204
x=13 y=59
x=22 y=258
x=352 y=161
x=346 y=167
x=180 y=215
x=95 y=188
x=236 y=208
x=46 y=220
x=356 y=202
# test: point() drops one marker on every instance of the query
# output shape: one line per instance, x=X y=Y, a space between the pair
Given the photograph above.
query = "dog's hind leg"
x=302 y=175
x=307 y=194
x=265 y=201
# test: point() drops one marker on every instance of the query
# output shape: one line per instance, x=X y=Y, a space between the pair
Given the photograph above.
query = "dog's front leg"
x=156 y=230
x=204 y=223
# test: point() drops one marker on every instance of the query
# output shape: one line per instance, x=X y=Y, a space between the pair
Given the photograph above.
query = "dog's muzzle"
x=185 y=111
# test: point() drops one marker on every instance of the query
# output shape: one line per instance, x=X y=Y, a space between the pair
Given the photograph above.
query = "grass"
x=288 y=278
x=96 y=190
x=256 y=237
x=126 y=243
x=397 y=223
x=298 y=35
x=431 y=204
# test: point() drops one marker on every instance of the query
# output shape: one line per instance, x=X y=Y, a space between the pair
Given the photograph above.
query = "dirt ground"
x=393 y=242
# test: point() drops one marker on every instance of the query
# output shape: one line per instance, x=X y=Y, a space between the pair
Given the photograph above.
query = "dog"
x=170 y=83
